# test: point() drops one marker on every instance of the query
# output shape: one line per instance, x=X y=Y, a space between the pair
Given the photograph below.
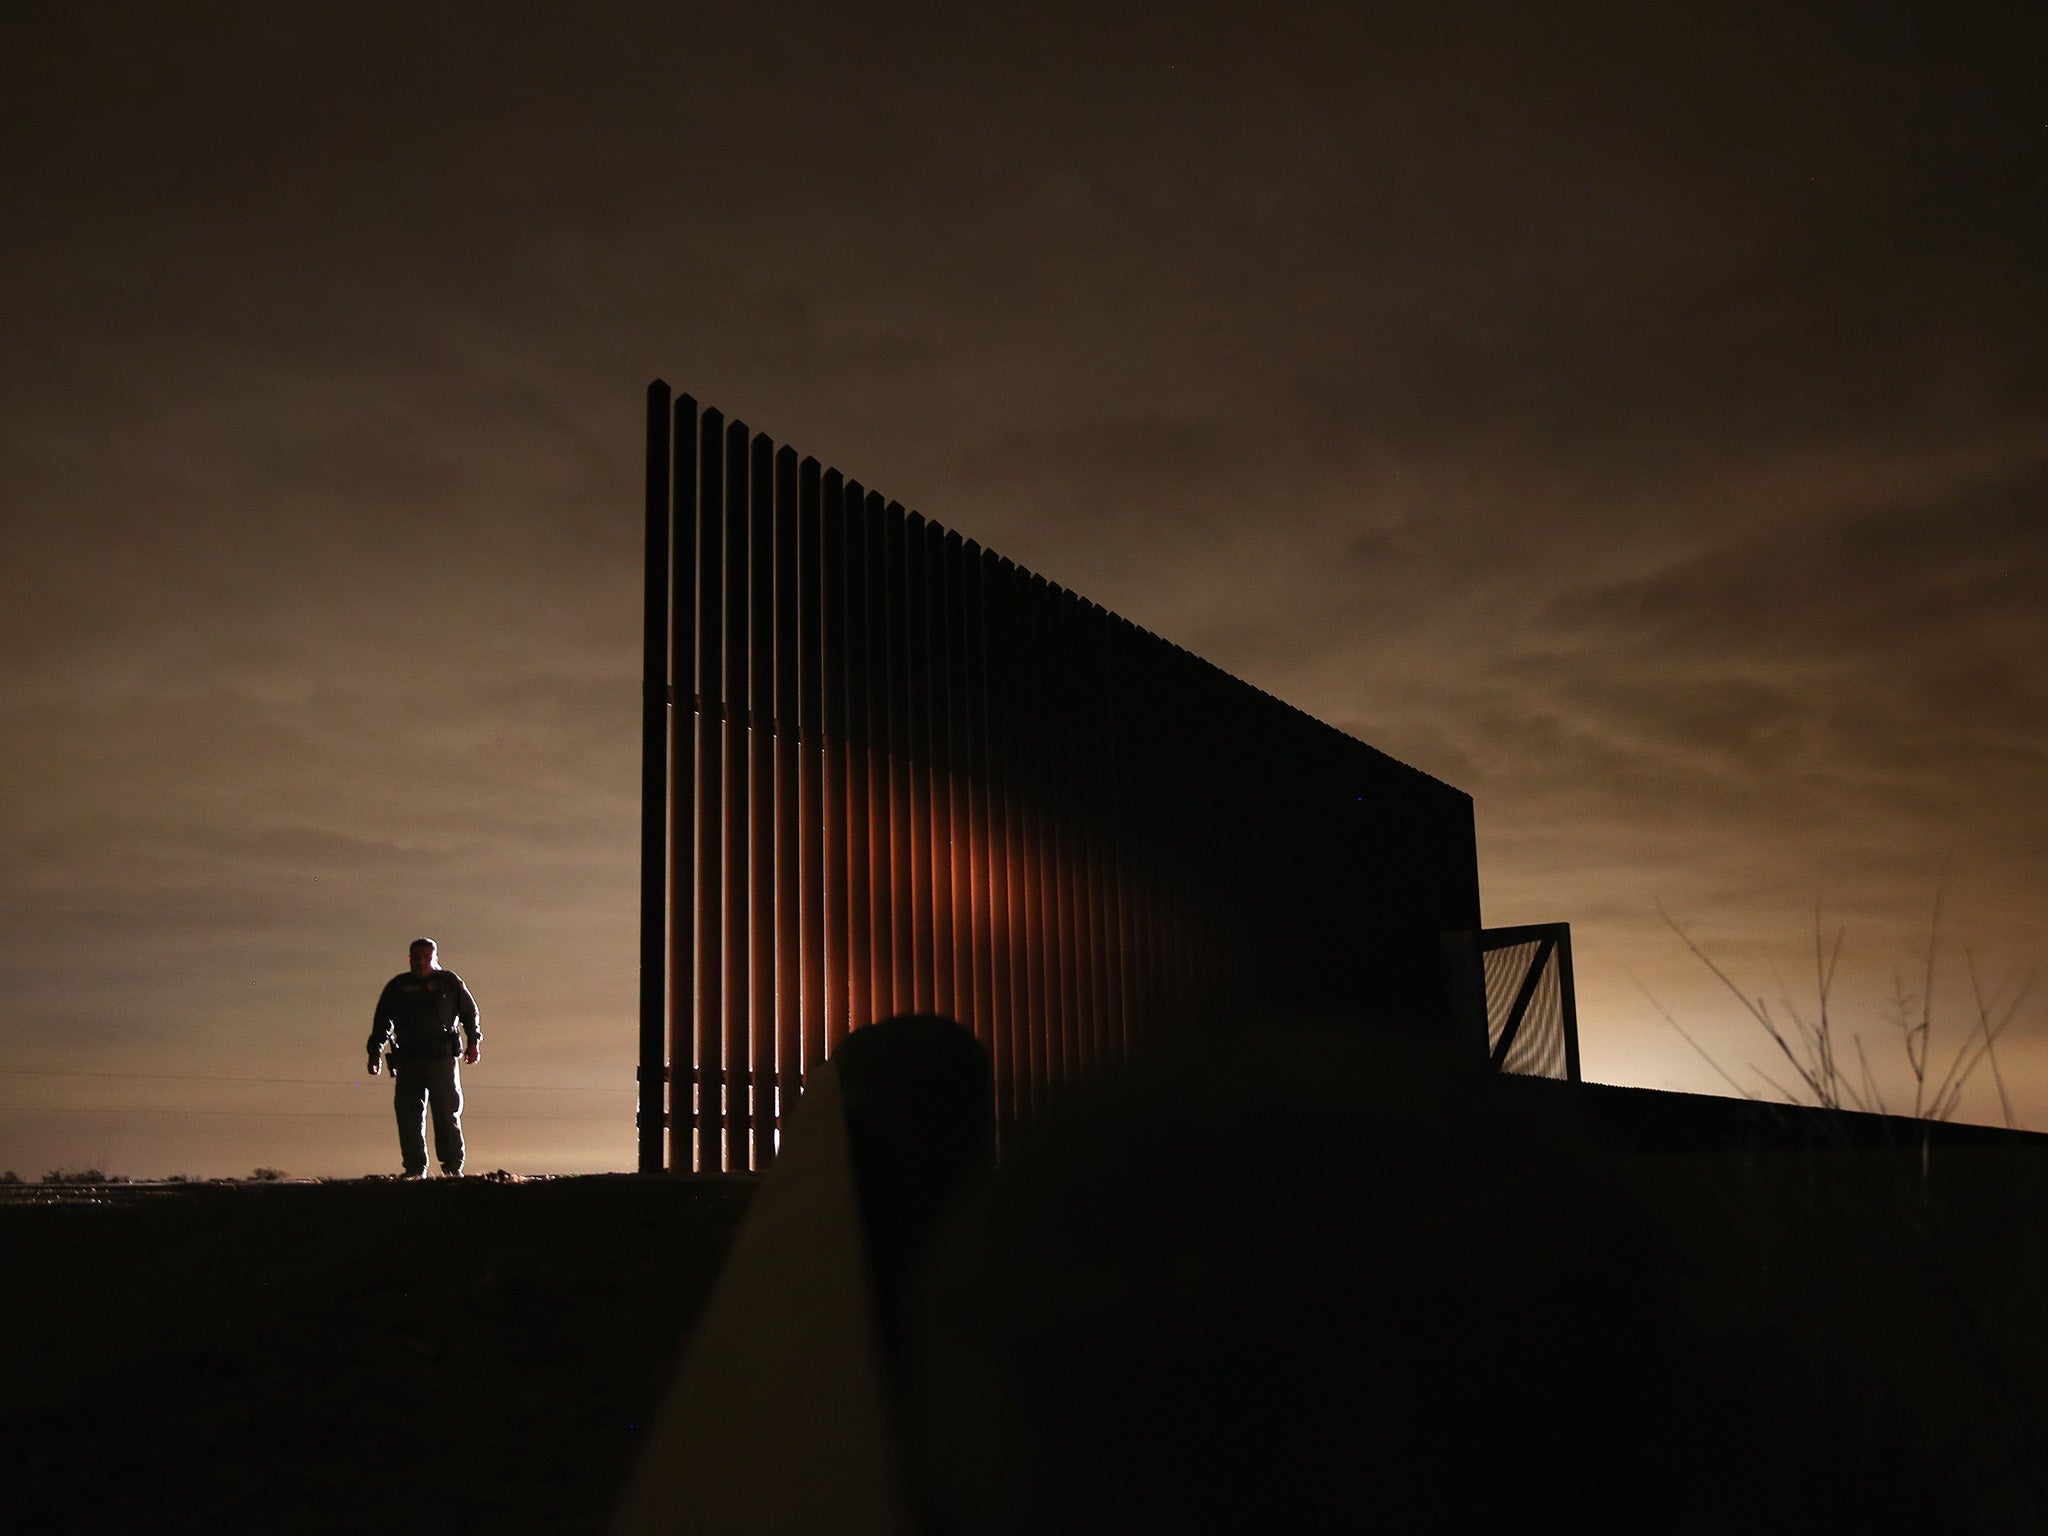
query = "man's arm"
x=466 y=1016
x=380 y=1029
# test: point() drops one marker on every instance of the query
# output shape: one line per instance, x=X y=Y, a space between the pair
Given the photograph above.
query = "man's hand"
x=469 y=1056
x=376 y=1065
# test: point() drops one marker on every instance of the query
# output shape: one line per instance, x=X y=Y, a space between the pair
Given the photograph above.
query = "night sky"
x=1631 y=414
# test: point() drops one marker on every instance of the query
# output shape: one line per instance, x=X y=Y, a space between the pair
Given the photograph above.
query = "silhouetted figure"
x=787 y=1414
x=920 y=1125
x=423 y=1014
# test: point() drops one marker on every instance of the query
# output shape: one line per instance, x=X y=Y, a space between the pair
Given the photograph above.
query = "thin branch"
x=1747 y=1093
x=1777 y=1087
x=1984 y=1024
x=1985 y=1048
x=1756 y=1008
x=1824 y=985
x=1927 y=985
x=1876 y=1099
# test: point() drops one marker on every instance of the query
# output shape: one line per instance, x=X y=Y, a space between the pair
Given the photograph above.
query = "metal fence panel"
x=899 y=772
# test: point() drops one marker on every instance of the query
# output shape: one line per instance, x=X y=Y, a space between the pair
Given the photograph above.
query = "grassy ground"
x=351 y=1356
x=369 y=1355
x=1919 y=1296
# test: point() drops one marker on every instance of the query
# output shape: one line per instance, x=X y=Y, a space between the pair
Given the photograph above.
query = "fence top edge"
x=859 y=498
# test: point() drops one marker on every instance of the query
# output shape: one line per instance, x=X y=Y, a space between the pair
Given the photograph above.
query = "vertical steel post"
x=1161 y=853
x=835 y=656
x=732 y=1060
x=811 y=741
x=1115 y=662
x=915 y=770
x=948 y=910
x=960 y=787
x=1568 y=996
x=1067 y=738
x=882 y=706
x=684 y=726
x=756 y=1147
x=1048 y=739
x=860 y=746
x=900 y=994
x=1195 y=860
x=704 y=1100
x=1010 y=935
x=1027 y=949
x=654 y=787
x=787 y=1011
x=986 y=874
x=1090 y=680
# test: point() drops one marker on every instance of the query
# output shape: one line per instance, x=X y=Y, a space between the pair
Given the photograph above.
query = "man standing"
x=418 y=1013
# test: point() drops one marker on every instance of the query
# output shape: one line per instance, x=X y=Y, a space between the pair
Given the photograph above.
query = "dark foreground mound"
x=360 y=1356
x=1340 y=1287
x=1196 y=1297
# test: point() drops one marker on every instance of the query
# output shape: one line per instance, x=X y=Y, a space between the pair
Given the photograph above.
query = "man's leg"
x=446 y=1093
x=409 y=1099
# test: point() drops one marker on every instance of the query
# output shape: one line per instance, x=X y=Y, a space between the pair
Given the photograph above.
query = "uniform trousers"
x=417 y=1083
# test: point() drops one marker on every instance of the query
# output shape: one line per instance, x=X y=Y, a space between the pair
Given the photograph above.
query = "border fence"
x=886 y=770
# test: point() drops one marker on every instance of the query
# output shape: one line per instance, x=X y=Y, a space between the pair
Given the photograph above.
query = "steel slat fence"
x=904 y=773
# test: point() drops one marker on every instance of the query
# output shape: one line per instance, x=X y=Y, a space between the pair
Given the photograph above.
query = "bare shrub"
x=1810 y=1040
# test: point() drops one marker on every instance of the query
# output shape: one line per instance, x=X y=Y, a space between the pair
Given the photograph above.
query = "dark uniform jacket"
x=420 y=1015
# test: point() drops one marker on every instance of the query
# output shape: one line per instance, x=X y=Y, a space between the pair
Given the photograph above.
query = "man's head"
x=425 y=957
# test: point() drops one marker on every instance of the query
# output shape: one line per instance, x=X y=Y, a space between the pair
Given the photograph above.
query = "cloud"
x=1628 y=414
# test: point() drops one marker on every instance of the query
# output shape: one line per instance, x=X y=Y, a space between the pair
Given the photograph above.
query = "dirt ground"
x=477 y=1355
x=355 y=1356
x=1924 y=1288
